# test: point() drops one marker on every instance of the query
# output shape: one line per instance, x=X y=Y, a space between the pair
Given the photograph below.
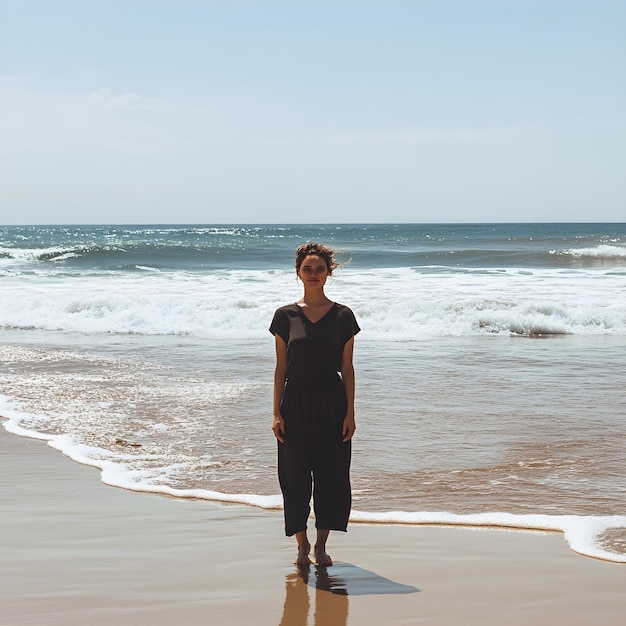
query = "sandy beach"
x=75 y=551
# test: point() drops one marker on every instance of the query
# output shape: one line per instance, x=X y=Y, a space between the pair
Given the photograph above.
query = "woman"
x=314 y=406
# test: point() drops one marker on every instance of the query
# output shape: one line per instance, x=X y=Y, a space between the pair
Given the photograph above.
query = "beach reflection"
x=296 y=607
x=332 y=588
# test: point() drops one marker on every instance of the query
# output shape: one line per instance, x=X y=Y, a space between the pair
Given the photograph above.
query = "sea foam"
x=605 y=251
x=582 y=533
x=408 y=304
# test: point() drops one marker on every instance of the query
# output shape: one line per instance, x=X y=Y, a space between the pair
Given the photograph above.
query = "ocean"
x=490 y=370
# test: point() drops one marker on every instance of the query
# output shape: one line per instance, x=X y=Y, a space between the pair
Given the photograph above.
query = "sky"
x=313 y=111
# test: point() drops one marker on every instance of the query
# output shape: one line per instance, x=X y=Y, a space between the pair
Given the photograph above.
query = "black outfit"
x=313 y=457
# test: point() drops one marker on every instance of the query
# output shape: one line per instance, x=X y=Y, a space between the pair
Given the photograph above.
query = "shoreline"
x=76 y=551
x=579 y=532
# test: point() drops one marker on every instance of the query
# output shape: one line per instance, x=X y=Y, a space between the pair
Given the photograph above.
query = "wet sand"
x=74 y=551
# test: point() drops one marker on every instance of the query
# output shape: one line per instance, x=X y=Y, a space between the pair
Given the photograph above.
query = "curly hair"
x=322 y=251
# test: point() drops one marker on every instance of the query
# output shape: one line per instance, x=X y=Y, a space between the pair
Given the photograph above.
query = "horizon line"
x=393 y=223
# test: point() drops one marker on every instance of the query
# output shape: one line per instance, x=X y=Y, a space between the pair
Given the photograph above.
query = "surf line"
x=582 y=533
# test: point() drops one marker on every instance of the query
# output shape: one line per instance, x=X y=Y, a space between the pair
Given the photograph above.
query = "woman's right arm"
x=280 y=372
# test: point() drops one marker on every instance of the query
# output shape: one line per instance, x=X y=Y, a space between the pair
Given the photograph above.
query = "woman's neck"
x=314 y=298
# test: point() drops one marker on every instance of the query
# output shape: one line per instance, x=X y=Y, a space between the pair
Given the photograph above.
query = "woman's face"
x=313 y=272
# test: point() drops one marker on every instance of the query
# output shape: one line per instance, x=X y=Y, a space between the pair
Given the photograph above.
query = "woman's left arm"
x=347 y=375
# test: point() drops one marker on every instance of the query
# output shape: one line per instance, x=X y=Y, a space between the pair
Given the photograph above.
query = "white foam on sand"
x=582 y=533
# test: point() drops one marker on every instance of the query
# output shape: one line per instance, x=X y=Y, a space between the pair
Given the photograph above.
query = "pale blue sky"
x=215 y=112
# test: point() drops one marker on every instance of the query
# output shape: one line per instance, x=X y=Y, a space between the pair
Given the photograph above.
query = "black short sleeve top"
x=314 y=349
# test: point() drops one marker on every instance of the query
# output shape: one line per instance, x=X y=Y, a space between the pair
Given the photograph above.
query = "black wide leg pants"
x=313 y=458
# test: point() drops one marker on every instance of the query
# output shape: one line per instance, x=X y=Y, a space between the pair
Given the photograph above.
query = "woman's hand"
x=279 y=428
x=349 y=426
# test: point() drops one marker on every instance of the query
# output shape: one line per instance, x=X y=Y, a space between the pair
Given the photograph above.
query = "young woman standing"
x=314 y=405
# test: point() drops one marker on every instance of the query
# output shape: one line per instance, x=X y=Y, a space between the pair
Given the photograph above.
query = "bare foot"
x=303 y=554
x=321 y=558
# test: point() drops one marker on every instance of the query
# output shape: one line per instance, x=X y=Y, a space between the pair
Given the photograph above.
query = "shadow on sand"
x=332 y=588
